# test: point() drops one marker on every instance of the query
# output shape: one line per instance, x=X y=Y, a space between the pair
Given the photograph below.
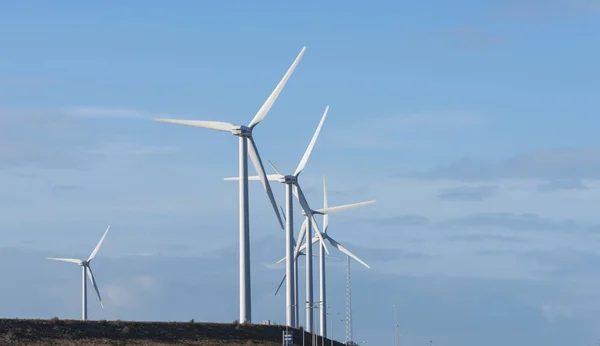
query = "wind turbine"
x=322 y=280
x=85 y=268
x=245 y=135
x=292 y=187
x=295 y=300
x=325 y=212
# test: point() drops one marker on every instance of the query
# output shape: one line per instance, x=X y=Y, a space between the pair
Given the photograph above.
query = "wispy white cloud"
x=401 y=130
x=26 y=81
x=105 y=112
x=559 y=164
x=66 y=187
x=446 y=119
x=125 y=293
x=414 y=203
x=470 y=38
x=545 y=9
x=115 y=149
x=552 y=312
x=557 y=185
x=55 y=139
x=468 y=193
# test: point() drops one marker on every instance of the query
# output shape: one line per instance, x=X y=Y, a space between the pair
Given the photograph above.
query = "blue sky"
x=473 y=124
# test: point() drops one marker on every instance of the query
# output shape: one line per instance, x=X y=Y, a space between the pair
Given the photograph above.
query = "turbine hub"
x=290 y=179
x=84 y=263
x=242 y=131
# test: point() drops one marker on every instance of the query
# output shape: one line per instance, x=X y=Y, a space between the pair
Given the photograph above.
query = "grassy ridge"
x=73 y=332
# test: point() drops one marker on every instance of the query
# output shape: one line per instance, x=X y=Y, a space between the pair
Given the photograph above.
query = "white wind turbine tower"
x=295 y=300
x=85 y=268
x=292 y=187
x=295 y=309
x=322 y=279
x=245 y=135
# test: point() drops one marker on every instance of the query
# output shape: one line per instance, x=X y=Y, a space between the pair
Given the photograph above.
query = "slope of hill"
x=71 y=332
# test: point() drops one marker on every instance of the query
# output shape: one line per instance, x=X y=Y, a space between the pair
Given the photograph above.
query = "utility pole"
x=332 y=335
x=311 y=310
x=332 y=324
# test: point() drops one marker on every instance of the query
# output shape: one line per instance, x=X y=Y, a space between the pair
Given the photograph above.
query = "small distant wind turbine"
x=86 y=269
x=247 y=146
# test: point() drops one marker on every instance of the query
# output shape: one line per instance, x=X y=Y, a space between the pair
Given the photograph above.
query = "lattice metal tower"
x=348 y=304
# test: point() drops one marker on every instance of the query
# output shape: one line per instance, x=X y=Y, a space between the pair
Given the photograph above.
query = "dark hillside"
x=72 y=332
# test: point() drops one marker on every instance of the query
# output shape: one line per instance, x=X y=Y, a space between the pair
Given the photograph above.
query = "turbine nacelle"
x=242 y=131
x=290 y=179
x=315 y=212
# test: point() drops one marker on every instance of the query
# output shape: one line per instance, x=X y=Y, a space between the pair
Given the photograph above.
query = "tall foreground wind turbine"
x=86 y=269
x=292 y=187
x=245 y=135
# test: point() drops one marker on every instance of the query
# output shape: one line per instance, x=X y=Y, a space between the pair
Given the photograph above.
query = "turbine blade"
x=91 y=276
x=302 y=199
x=280 y=284
x=346 y=251
x=274 y=168
x=270 y=177
x=253 y=152
x=309 y=213
x=262 y=112
x=311 y=145
x=300 y=239
x=302 y=248
x=325 y=206
x=326 y=211
x=283 y=215
x=319 y=234
x=213 y=125
x=99 y=244
x=281 y=260
x=70 y=260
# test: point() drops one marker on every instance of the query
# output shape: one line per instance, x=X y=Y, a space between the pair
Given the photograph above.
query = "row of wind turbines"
x=293 y=247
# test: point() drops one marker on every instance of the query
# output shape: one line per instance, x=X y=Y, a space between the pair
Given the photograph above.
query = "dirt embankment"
x=84 y=333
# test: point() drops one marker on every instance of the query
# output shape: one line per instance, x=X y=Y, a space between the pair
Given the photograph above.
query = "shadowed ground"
x=73 y=332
